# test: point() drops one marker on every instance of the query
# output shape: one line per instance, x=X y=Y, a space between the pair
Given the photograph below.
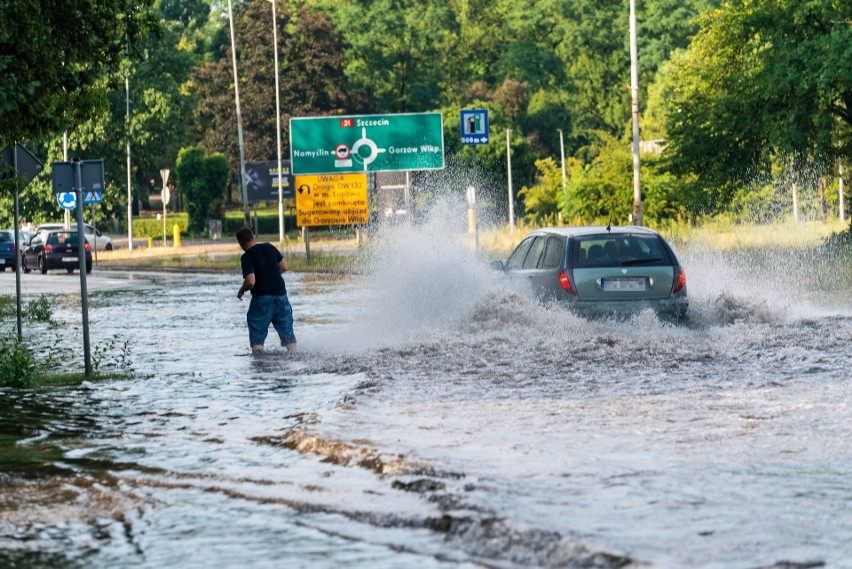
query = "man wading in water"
x=262 y=266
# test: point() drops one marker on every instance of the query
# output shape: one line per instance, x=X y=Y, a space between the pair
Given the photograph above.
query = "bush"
x=17 y=367
x=153 y=227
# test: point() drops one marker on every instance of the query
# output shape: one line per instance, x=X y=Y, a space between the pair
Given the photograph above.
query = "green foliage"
x=55 y=56
x=153 y=227
x=114 y=354
x=601 y=189
x=310 y=55
x=761 y=79
x=542 y=200
x=202 y=180
x=40 y=310
x=17 y=367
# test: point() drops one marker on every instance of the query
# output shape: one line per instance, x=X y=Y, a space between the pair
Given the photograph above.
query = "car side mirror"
x=497 y=266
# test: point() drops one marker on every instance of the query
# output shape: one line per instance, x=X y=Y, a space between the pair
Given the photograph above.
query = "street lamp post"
x=278 y=127
x=246 y=215
x=634 y=92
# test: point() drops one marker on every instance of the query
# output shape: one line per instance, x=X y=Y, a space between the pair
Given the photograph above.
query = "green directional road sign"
x=367 y=143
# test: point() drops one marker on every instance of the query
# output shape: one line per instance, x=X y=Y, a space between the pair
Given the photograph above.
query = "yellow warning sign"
x=331 y=199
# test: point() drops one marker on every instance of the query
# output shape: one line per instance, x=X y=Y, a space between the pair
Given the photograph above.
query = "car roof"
x=580 y=231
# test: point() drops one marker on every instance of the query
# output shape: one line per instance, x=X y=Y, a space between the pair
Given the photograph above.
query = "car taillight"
x=681 y=280
x=48 y=249
x=88 y=247
x=565 y=282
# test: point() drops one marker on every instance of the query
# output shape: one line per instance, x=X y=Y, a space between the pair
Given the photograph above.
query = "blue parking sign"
x=474 y=126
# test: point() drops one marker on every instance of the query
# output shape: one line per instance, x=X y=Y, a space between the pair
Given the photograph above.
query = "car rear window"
x=619 y=251
x=5 y=237
x=59 y=238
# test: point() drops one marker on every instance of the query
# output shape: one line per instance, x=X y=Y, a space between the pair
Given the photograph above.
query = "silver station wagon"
x=601 y=271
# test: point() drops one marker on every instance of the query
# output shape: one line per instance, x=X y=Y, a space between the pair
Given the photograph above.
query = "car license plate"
x=70 y=259
x=625 y=284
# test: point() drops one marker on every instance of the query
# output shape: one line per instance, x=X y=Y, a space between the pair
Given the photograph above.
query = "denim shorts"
x=264 y=310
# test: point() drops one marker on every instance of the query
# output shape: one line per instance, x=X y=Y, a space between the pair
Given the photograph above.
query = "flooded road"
x=435 y=417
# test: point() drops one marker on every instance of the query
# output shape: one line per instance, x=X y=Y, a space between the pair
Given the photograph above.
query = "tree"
x=763 y=79
x=202 y=180
x=312 y=79
x=53 y=56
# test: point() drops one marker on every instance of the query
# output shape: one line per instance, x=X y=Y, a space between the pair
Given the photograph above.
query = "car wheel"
x=3 y=269
x=108 y=247
x=42 y=265
x=24 y=265
x=69 y=269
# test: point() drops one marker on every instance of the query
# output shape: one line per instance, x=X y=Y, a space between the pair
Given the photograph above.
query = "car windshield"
x=619 y=251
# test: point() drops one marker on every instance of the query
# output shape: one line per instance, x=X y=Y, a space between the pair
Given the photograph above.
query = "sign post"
x=24 y=165
x=81 y=250
x=165 y=196
x=85 y=178
x=474 y=131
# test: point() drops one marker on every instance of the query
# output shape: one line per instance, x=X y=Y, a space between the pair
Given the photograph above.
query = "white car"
x=97 y=239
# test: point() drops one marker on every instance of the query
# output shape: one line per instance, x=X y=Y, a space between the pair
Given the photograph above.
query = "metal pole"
x=278 y=127
x=634 y=91
x=509 y=169
x=407 y=196
x=562 y=154
x=840 y=186
x=17 y=228
x=246 y=214
x=129 y=181
x=81 y=249
x=67 y=216
x=795 y=204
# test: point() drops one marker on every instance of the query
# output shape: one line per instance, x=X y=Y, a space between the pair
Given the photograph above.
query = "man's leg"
x=258 y=323
x=282 y=320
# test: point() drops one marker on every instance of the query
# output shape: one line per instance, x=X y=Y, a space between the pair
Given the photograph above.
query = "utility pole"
x=127 y=137
x=509 y=169
x=278 y=126
x=246 y=214
x=562 y=154
x=634 y=92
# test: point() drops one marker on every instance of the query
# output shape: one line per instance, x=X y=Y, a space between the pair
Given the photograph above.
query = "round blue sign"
x=67 y=200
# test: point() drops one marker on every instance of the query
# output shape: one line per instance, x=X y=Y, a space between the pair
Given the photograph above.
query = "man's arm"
x=282 y=265
x=248 y=284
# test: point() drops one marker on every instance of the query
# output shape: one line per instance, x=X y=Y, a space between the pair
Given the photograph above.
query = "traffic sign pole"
x=17 y=243
x=81 y=246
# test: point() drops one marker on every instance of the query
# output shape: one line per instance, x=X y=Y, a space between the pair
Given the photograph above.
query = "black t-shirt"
x=262 y=259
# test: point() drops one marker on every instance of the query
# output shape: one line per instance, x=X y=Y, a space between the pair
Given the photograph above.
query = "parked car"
x=8 y=252
x=601 y=270
x=95 y=237
x=56 y=249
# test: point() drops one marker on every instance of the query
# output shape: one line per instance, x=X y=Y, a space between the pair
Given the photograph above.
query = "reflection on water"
x=436 y=417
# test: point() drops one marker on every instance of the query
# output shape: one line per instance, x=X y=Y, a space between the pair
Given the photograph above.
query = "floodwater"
x=435 y=417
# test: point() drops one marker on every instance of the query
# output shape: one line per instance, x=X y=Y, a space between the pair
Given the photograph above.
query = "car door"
x=32 y=250
x=528 y=271
x=545 y=277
